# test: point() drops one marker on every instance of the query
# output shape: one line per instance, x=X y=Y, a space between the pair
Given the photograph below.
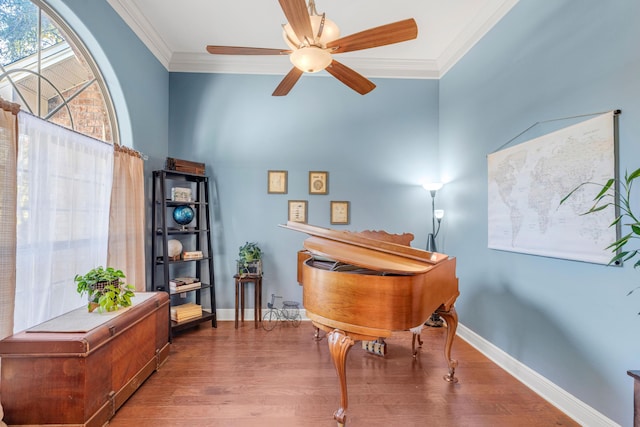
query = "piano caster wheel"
x=450 y=377
x=340 y=416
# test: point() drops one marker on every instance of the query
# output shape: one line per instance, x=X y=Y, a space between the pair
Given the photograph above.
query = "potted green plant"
x=249 y=259
x=105 y=289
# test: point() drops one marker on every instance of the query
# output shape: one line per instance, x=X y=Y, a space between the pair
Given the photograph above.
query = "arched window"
x=61 y=227
x=46 y=69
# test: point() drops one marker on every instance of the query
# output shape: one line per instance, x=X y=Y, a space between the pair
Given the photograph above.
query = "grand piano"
x=363 y=286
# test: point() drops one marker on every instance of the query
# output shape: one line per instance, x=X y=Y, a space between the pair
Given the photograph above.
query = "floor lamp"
x=436 y=215
x=435 y=321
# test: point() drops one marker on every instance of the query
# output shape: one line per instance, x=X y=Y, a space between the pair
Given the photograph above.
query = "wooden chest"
x=81 y=378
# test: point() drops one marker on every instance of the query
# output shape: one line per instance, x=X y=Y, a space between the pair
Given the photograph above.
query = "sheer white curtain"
x=64 y=187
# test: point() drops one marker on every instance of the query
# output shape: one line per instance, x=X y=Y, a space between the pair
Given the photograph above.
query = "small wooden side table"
x=257 y=288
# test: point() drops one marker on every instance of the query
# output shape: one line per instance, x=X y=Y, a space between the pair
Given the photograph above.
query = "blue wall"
x=377 y=150
x=569 y=321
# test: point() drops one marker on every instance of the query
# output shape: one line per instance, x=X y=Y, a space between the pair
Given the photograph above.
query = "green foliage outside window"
x=19 y=30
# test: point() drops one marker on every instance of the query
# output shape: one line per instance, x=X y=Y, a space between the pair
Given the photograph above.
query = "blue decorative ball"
x=183 y=215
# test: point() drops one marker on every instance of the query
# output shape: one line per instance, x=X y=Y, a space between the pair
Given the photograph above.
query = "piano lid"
x=351 y=248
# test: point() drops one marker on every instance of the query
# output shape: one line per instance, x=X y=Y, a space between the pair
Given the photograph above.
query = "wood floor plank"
x=247 y=377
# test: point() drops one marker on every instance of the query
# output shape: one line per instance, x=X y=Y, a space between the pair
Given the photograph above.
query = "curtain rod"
x=615 y=112
x=130 y=151
x=116 y=146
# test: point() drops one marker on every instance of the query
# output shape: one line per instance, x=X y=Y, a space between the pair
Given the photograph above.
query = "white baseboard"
x=566 y=402
x=558 y=397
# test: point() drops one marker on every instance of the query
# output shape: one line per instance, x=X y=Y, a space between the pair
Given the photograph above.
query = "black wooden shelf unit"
x=193 y=237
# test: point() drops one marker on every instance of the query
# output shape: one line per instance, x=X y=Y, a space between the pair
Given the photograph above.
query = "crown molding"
x=474 y=32
x=143 y=29
x=371 y=68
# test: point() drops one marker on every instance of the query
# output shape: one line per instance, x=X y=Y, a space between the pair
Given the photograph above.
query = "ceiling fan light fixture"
x=316 y=39
x=310 y=59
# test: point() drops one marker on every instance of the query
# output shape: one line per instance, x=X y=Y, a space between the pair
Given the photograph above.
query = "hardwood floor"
x=251 y=377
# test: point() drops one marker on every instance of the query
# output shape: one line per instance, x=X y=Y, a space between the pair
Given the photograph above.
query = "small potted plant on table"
x=105 y=289
x=249 y=260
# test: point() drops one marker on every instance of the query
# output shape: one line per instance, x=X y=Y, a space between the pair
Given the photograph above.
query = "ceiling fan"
x=313 y=39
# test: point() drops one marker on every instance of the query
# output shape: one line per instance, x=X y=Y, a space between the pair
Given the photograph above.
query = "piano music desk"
x=257 y=288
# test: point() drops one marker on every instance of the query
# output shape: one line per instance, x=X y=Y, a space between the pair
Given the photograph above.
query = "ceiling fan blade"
x=288 y=82
x=346 y=75
x=298 y=17
x=378 y=36
x=235 y=50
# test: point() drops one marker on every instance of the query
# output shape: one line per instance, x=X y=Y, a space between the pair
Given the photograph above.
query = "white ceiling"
x=178 y=32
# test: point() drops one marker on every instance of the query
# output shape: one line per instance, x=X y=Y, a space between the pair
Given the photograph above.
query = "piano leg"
x=451 y=317
x=414 y=350
x=416 y=336
x=317 y=335
x=339 y=346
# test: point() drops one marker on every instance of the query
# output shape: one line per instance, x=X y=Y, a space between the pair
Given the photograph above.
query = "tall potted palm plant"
x=626 y=215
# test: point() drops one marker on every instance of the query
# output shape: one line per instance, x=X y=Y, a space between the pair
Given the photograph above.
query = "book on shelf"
x=176 y=289
x=187 y=255
x=183 y=280
x=182 y=284
x=186 y=311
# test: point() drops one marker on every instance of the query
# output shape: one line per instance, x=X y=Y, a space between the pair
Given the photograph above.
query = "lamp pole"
x=431 y=238
x=434 y=321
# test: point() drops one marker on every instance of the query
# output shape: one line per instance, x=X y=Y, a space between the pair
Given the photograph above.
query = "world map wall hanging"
x=526 y=183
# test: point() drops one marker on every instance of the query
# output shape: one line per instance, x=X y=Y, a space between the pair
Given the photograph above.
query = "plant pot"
x=252 y=268
x=97 y=291
x=99 y=287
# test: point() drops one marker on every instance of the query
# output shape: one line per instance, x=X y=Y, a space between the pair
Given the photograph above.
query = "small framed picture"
x=339 y=212
x=298 y=211
x=277 y=182
x=318 y=182
x=180 y=194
